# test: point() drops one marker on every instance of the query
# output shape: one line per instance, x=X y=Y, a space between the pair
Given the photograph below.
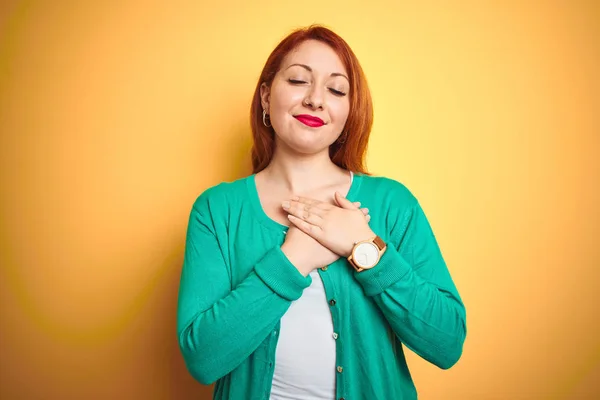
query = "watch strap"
x=379 y=243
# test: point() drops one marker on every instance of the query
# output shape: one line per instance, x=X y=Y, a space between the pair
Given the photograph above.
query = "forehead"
x=317 y=55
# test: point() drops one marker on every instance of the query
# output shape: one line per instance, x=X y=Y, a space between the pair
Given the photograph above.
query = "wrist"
x=297 y=259
x=359 y=237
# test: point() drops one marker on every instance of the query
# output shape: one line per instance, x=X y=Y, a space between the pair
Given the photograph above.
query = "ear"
x=265 y=96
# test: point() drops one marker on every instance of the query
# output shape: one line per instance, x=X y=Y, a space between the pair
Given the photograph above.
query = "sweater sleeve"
x=413 y=288
x=219 y=326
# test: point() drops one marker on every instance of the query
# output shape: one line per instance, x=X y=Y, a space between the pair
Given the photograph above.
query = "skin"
x=302 y=187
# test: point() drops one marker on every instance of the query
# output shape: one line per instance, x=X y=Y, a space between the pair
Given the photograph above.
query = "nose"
x=314 y=98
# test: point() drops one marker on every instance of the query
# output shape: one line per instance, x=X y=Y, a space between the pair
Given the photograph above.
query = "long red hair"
x=349 y=150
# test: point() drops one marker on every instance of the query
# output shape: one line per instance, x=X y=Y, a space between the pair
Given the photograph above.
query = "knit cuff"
x=390 y=269
x=277 y=272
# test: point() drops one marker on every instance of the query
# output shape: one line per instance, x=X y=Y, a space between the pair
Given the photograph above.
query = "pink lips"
x=309 y=120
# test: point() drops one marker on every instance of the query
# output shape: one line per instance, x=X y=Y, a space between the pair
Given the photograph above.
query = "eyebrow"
x=306 y=67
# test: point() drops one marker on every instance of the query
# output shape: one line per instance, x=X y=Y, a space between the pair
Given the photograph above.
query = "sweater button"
x=340 y=369
x=332 y=302
x=335 y=335
x=324 y=269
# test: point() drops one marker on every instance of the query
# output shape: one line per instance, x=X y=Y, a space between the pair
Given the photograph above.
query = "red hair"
x=349 y=150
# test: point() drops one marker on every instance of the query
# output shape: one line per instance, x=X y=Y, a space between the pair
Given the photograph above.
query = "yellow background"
x=115 y=115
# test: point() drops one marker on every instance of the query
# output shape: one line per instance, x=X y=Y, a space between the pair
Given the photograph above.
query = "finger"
x=311 y=218
x=368 y=217
x=344 y=202
x=306 y=200
x=337 y=197
x=306 y=213
x=309 y=229
x=365 y=211
x=303 y=211
x=312 y=203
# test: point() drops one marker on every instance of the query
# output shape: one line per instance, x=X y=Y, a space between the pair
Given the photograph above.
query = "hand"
x=305 y=252
x=335 y=227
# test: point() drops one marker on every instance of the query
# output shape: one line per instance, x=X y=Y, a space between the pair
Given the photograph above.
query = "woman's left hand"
x=335 y=227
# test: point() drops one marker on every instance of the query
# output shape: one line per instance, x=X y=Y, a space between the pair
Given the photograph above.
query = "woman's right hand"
x=306 y=253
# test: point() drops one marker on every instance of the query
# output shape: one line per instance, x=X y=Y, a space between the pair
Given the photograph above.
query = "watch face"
x=366 y=255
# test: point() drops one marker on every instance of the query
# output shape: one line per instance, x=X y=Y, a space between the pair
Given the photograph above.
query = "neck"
x=300 y=173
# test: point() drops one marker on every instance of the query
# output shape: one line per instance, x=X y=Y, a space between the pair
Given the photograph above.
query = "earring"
x=342 y=138
x=265 y=116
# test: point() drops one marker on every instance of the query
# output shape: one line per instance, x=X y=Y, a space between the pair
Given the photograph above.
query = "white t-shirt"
x=305 y=354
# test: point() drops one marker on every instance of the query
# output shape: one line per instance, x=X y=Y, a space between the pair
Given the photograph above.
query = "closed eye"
x=337 y=92
x=299 y=82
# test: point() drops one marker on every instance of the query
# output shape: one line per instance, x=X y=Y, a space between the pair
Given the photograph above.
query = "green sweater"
x=236 y=284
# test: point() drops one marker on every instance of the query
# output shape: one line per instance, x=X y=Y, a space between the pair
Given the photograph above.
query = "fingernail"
x=285 y=205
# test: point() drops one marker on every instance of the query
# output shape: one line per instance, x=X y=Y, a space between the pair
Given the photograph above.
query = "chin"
x=306 y=146
x=306 y=142
x=309 y=149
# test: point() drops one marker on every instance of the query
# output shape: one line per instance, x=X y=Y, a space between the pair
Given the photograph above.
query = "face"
x=308 y=101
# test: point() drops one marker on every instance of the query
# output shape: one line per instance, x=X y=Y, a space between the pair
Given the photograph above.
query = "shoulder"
x=387 y=189
x=398 y=205
x=222 y=196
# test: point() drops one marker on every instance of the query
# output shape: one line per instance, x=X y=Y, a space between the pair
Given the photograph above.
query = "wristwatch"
x=367 y=253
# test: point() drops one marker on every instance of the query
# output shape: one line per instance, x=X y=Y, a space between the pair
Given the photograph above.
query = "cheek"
x=340 y=112
x=284 y=98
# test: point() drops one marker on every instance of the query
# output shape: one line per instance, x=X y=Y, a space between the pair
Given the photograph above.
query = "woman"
x=289 y=290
